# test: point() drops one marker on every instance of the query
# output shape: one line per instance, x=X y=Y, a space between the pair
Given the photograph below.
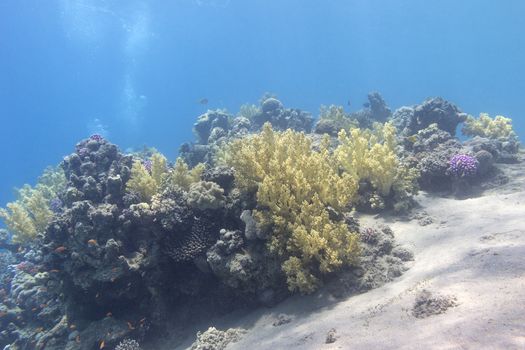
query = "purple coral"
x=96 y=137
x=147 y=164
x=27 y=267
x=463 y=165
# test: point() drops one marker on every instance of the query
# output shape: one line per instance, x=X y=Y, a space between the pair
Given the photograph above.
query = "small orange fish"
x=109 y=314
x=60 y=249
x=72 y=327
x=92 y=242
x=102 y=345
x=130 y=326
x=54 y=271
x=34 y=309
x=39 y=329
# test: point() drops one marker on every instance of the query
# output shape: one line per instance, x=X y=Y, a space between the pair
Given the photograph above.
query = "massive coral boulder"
x=247 y=268
x=211 y=126
x=503 y=151
x=97 y=171
x=440 y=158
x=273 y=111
x=433 y=110
x=375 y=110
x=432 y=148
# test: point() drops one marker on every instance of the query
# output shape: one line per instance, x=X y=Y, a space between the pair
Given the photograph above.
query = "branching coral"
x=52 y=182
x=294 y=186
x=182 y=176
x=497 y=128
x=370 y=155
x=337 y=117
x=18 y=222
x=248 y=111
x=31 y=213
x=152 y=176
x=147 y=177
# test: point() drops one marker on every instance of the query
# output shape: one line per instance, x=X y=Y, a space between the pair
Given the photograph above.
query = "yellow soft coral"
x=144 y=183
x=30 y=213
x=484 y=126
x=370 y=155
x=294 y=185
x=182 y=176
x=338 y=116
x=18 y=222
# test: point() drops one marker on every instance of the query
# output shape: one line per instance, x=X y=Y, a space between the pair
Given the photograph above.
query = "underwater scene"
x=262 y=174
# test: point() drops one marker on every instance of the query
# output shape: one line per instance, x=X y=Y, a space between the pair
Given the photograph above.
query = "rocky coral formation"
x=502 y=151
x=333 y=119
x=409 y=120
x=247 y=268
x=214 y=339
x=273 y=112
x=214 y=128
x=375 y=110
x=428 y=304
x=381 y=261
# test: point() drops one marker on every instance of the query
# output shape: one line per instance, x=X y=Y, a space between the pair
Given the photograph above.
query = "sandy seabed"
x=468 y=275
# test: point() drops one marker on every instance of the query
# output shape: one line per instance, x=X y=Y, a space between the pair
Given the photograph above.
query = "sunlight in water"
x=90 y=24
x=213 y=3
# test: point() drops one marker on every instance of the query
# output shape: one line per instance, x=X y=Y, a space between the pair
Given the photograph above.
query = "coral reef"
x=503 y=151
x=497 y=128
x=434 y=110
x=128 y=344
x=147 y=176
x=33 y=210
x=214 y=339
x=375 y=110
x=370 y=156
x=109 y=246
x=463 y=165
x=206 y=195
x=273 y=112
x=292 y=203
x=332 y=119
x=381 y=260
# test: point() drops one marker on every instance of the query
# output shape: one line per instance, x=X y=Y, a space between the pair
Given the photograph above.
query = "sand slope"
x=474 y=250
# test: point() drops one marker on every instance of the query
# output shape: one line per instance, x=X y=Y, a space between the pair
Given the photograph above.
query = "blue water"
x=135 y=70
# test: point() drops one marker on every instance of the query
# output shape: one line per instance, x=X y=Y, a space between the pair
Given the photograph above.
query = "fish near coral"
x=60 y=249
x=92 y=242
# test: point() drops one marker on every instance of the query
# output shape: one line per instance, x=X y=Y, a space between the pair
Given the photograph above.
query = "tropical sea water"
x=135 y=71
